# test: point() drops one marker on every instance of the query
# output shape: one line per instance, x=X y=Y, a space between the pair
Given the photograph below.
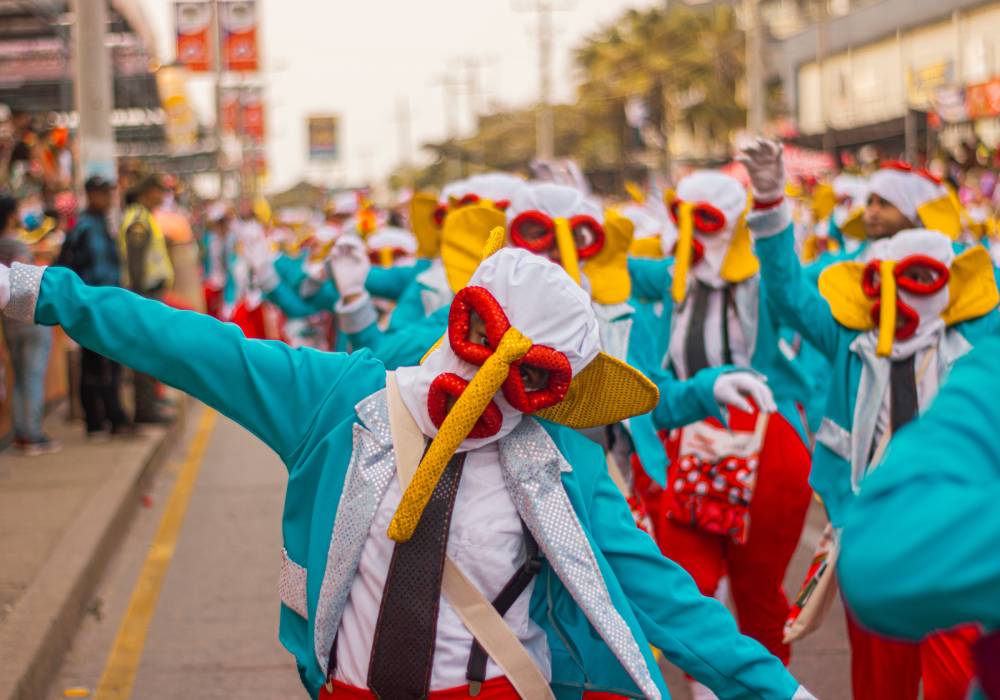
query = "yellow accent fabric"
x=840 y=285
x=385 y=257
x=607 y=271
x=685 y=248
x=496 y=241
x=740 y=263
x=604 y=392
x=648 y=247
x=567 y=249
x=824 y=200
x=456 y=427
x=426 y=230
x=972 y=287
x=887 y=311
x=465 y=233
x=854 y=225
x=941 y=215
x=262 y=210
x=158 y=265
x=635 y=192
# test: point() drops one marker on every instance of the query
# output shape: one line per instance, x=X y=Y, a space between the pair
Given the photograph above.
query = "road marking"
x=119 y=672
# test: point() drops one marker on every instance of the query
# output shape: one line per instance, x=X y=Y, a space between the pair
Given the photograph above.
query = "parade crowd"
x=530 y=431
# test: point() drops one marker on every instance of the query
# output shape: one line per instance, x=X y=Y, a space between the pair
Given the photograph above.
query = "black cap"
x=98 y=182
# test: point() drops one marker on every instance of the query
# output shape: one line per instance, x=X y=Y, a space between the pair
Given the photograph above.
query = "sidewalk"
x=61 y=516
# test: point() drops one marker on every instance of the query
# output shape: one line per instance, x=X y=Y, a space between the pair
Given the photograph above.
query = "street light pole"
x=94 y=90
x=756 y=87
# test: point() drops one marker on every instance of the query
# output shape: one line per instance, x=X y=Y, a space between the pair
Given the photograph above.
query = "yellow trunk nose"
x=456 y=427
x=567 y=249
x=887 y=308
x=685 y=247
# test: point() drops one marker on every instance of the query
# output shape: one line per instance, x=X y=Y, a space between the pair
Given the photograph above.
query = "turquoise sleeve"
x=695 y=633
x=920 y=541
x=650 y=278
x=796 y=300
x=409 y=309
x=389 y=282
x=684 y=402
x=290 y=303
x=273 y=391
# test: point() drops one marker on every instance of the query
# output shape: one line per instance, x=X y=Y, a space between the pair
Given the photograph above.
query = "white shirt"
x=713 y=334
x=485 y=541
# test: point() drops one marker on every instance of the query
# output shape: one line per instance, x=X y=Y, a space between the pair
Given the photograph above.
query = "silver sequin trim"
x=292 y=585
x=368 y=476
x=25 y=283
x=532 y=465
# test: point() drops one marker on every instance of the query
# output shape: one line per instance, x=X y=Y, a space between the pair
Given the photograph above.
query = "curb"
x=33 y=638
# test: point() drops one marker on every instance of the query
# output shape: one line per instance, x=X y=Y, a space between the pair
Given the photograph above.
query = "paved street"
x=213 y=632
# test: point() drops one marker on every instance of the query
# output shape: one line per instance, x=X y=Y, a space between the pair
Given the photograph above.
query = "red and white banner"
x=193 y=22
x=238 y=26
x=252 y=114
x=983 y=100
x=229 y=107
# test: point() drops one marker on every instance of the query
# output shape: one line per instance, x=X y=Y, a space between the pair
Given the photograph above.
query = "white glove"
x=735 y=388
x=350 y=265
x=4 y=286
x=766 y=167
x=260 y=258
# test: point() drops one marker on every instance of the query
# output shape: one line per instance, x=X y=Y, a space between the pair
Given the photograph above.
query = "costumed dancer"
x=920 y=539
x=891 y=328
x=732 y=503
x=451 y=493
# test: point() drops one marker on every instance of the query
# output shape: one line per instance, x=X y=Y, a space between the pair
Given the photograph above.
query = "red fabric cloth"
x=250 y=321
x=213 y=301
x=493 y=689
x=888 y=669
x=755 y=569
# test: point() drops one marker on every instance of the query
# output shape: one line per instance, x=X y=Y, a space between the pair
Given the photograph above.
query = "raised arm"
x=920 y=541
x=796 y=301
x=650 y=278
x=265 y=386
x=695 y=633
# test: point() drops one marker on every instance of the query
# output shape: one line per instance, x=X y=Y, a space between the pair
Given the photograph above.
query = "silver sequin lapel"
x=532 y=467
x=25 y=283
x=369 y=473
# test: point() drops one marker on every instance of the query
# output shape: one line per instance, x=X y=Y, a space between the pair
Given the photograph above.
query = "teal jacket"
x=605 y=593
x=920 y=540
x=844 y=438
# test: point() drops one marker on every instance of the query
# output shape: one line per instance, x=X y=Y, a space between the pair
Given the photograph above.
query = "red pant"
x=756 y=569
x=887 y=669
x=213 y=301
x=250 y=321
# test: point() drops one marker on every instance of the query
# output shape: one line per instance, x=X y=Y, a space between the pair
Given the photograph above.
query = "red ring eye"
x=533 y=231
x=871 y=279
x=502 y=204
x=444 y=390
x=480 y=301
x=588 y=235
x=558 y=373
x=921 y=274
x=708 y=219
x=467 y=200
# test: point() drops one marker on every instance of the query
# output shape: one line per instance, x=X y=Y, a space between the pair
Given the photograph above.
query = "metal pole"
x=545 y=136
x=756 y=89
x=217 y=67
x=94 y=90
x=828 y=140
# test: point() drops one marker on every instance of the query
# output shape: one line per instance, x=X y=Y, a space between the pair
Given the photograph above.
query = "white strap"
x=476 y=612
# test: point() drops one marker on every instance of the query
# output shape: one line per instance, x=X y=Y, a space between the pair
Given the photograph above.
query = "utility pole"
x=545 y=128
x=821 y=40
x=449 y=86
x=94 y=90
x=756 y=85
x=403 y=134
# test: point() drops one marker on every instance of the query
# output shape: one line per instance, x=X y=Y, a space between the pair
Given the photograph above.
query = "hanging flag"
x=229 y=107
x=238 y=25
x=252 y=113
x=193 y=21
x=324 y=144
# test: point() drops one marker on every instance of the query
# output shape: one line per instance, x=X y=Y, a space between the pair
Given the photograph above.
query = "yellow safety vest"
x=158 y=266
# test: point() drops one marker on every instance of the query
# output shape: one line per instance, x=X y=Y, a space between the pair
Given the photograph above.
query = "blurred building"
x=899 y=74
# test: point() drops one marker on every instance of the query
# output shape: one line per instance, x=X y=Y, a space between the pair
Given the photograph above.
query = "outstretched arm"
x=920 y=540
x=695 y=633
x=269 y=388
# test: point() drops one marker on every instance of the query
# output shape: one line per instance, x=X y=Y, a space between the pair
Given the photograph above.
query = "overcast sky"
x=358 y=59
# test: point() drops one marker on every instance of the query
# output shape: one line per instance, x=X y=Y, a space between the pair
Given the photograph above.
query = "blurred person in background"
x=146 y=271
x=28 y=346
x=92 y=253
